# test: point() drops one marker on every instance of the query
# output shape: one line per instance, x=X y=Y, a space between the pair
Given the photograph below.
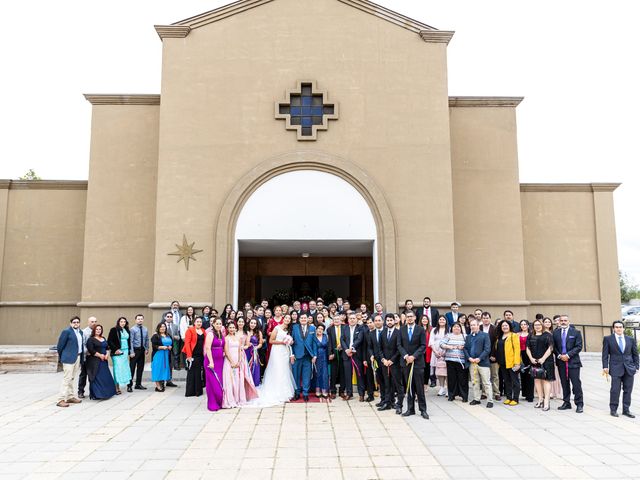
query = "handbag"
x=538 y=372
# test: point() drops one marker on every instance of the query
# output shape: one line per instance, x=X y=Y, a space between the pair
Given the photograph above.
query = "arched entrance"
x=226 y=258
x=305 y=234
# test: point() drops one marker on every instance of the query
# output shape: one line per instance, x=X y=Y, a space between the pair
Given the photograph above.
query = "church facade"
x=262 y=88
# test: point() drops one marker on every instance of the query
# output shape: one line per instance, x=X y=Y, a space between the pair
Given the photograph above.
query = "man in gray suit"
x=173 y=330
x=620 y=360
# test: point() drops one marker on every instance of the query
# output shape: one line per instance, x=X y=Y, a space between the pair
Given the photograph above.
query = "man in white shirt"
x=86 y=333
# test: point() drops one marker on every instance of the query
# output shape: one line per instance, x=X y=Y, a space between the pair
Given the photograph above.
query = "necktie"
x=304 y=331
x=410 y=332
x=378 y=336
x=338 y=337
x=564 y=341
x=389 y=334
x=141 y=338
x=620 y=345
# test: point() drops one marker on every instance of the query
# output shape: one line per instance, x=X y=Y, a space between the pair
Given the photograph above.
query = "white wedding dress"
x=277 y=386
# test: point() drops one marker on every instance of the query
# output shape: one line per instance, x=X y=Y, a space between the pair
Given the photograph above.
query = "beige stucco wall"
x=219 y=86
x=571 y=263
x=119 y=239
x=42 y=261
x=489 y=263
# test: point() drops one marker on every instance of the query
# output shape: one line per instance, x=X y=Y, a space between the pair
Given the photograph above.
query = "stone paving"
x=165 y=435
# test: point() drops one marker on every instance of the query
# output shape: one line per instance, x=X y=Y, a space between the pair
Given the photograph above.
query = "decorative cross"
x=306 y=110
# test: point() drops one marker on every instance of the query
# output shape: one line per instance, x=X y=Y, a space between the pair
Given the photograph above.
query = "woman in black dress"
x=540 y=353
x=194 y=351
x=101 y=384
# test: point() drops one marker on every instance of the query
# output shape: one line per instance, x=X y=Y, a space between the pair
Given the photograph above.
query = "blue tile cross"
x=306 y=110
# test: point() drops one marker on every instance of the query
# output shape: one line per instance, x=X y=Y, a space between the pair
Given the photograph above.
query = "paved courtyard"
x=165 y=435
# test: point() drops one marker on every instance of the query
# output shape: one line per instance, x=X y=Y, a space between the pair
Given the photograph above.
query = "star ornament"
x=185 y=251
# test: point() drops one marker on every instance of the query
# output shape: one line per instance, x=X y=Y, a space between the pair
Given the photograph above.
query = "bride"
x=277 y=385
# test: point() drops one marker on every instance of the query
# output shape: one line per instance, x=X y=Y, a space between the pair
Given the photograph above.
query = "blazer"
x=68 y=346
x=316 y=344
x=389 y=346
x=173 y=330
x=373 y=345
x=334 y=339
x=481 y=347
x=113 y=341
x=450 y=320
x=303 y=344
x=415 y=347
x=511 y=350
x=191 y=340
x=574 y=346
x=434 y=315
x=358 y=340
x=619 y=362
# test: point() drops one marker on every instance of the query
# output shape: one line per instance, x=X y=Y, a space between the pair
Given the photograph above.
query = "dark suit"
x=388 y=350
x=416 y=347
x=372 y=374
x=355 y=360
x=420 y=312
x=337 y=369
x=622 y=368
x=569 y=371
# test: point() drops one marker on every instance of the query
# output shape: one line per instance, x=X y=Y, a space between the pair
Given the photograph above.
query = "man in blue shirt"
x=477 y=348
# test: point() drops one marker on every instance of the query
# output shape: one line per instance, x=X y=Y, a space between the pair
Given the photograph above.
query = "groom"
x=304 y=349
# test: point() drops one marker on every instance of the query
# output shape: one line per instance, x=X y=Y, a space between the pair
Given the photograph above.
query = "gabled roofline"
x=182 y=28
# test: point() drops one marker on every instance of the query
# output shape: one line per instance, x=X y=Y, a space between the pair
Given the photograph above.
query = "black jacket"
x=113 y=340
x=616 y=361
x=415 y=347
x=388 y=348
x=574 y=346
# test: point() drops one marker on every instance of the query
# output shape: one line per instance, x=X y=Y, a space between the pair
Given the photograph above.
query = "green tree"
x=30 y=175
x=628 y=289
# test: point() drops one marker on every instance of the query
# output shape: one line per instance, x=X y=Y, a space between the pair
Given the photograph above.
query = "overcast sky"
x=575 y=62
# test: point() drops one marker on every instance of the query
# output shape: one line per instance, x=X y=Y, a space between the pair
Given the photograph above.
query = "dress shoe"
x=497 y=398
x=424 y=415
x=305 y=398
x=74 y=400
x=451 y=399
x=489 y=404
x=614 y=413
x=129 y=389
x=398 y=411
x=474 y=402
x=381 y=408
x=628 y=414
x=140 y=387
x=332 y=396
x=296 y=397
x=464 y=400
x=370 y=398
x=62 y=403
x=408 y=413
x=171 y=384
x=579 y=409
x=379 y=404
x=361 y=398
x=80 y=395
x=347 y=398
x=483 y=397
x=565 y=406
x=432 y=384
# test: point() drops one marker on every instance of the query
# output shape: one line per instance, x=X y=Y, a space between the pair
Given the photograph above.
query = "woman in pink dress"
x=237 y=383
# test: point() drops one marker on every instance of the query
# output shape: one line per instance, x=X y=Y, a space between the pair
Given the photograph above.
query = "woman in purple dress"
x=213 y=362
x=255 y=344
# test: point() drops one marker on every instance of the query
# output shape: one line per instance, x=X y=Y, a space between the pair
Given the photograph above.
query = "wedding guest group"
x=262 y=355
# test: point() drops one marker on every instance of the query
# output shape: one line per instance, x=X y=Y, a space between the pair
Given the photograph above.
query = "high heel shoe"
x=159 y=389
x=538 y=405
x=546 y=409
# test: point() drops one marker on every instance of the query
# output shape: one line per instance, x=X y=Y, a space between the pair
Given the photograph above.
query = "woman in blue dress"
x=322 y=362
x=101 y=384
x=119 y=341
x=161 y=347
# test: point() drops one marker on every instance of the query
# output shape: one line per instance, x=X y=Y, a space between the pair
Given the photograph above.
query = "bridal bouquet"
x=288 y=340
